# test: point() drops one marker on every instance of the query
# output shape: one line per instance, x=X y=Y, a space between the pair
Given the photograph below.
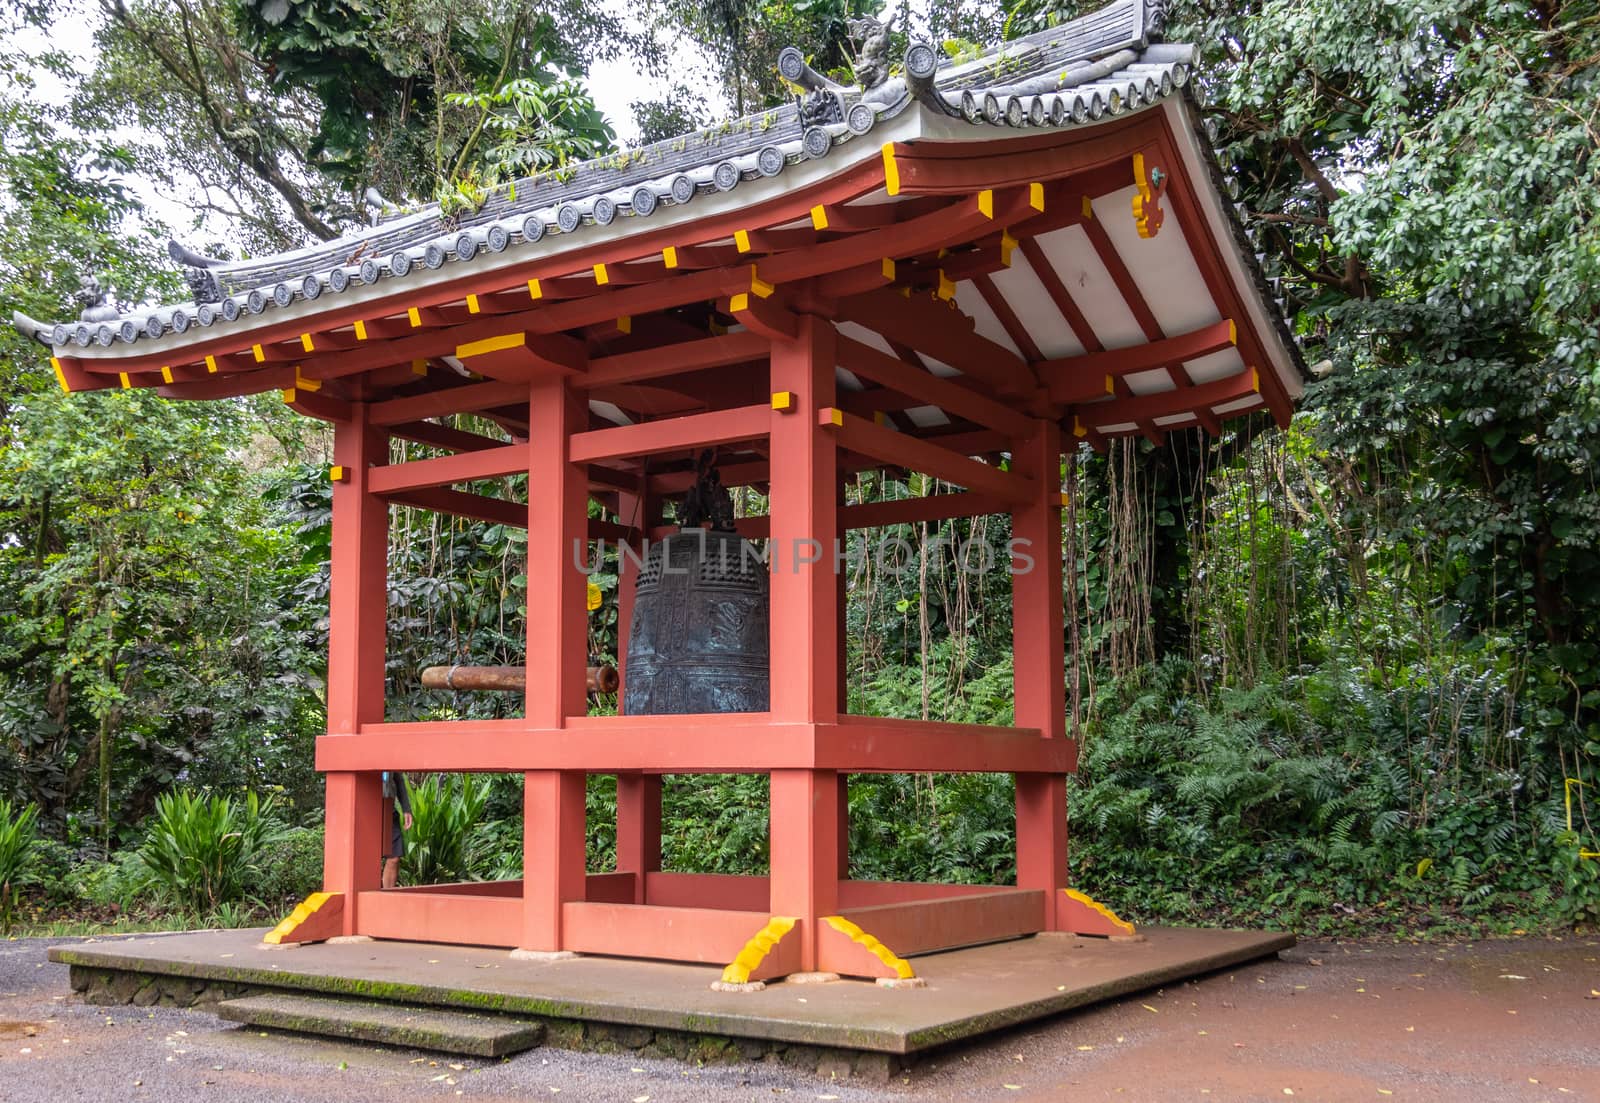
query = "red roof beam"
x=693 y=431
x=1070 y=377
x=902 y=449
x=890 y=371
x=460 y=467
x=673 y=359
x=937 y=329
x=1197 y=400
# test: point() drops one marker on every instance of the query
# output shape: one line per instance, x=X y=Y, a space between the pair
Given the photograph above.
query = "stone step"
x=389 y=1024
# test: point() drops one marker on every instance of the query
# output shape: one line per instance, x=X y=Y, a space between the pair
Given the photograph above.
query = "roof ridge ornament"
x=197 y=272
x=922 y=66
x=872 y=63
x=95 y=300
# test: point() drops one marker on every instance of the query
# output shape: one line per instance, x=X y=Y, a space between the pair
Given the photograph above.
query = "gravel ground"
x=1470 y=1022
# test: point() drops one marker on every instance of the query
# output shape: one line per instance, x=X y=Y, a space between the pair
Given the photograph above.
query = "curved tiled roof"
x=1078 y=73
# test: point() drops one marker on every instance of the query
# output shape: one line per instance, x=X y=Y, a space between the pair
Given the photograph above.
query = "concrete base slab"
x=970 y=992
x=810 y=978
x=388 y=1024
x=350 y=939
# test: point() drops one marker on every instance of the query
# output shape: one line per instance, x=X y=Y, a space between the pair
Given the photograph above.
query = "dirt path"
x=1475 y=1023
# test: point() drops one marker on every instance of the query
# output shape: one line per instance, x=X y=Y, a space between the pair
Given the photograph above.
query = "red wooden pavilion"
x=984 y=260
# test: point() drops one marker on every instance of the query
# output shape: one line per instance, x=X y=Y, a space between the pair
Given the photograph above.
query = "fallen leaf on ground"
x=1150 y=1009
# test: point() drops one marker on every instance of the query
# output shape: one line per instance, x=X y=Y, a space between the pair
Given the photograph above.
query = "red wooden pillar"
x=1039 y=661
x=805 y=630
x=638 y=795
x=553 y=810
x=357 y=602
x=842 y=604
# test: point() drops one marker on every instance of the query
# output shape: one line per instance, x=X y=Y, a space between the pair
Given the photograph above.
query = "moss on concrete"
x=698 y=1042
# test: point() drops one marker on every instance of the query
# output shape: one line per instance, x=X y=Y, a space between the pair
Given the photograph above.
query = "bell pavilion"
x=956 y=267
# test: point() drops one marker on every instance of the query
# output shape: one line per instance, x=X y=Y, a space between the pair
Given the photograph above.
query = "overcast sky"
x=613 y=84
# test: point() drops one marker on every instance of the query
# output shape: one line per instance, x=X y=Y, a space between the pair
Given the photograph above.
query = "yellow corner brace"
x=302 y=912
x=1105 y=912
x=900 y=965
x=756 y=950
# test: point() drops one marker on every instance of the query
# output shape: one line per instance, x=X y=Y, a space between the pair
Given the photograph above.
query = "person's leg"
x=391 y=857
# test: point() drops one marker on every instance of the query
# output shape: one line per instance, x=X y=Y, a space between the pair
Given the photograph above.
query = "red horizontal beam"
x=671 y=434
x=901 y=511
x=459 y=503
x=443 y=436
x=468 y=399
x=1072 y=375
x=685 y=356
x=921 y=926
x=705 y=743
x=462 y=467
x=709 y=935
x=888 y=446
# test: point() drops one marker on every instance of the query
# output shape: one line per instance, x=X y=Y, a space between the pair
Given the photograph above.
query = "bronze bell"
x=698 y=638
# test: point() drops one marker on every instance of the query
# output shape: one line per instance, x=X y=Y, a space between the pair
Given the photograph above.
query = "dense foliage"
x=1334 y=678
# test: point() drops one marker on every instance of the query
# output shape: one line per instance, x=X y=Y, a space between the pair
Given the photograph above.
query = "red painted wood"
x=867 y=745
x=324 y=923
x=751 y=745
x=706 y=935
x=923 y=926
x=462 y=920
x=639 y=829
x=1136 y=358
x=353 y=829
x=1199 y=398
x=1039 y=662
x=890 y=371
x=557 y=654
x=870 y=894
x=1229 y=297
x=443 y=436
x=684 y=356
x=458 y=503
x=904 y=450
x=538 y=355
x=468 y=399
x=612 y=888
x=725 y=891
x=940 y=330
x=953 y=168
x=804 y=627
x=691 y=431
x=462 y=467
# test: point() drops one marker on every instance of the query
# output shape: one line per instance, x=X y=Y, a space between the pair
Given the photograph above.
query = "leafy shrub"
x=291 y=867
x=124 y=881
x=17 y=827
x=204 y=850
x=446 y=810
